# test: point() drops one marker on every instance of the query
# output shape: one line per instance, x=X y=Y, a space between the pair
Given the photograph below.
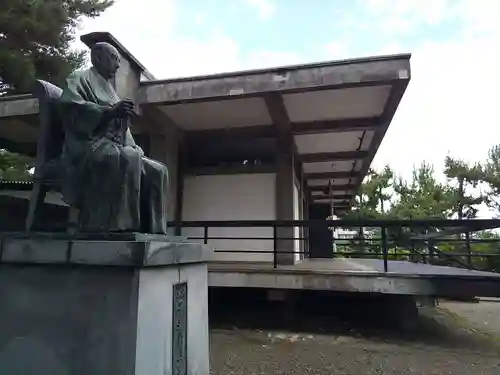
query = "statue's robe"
x=106 y=175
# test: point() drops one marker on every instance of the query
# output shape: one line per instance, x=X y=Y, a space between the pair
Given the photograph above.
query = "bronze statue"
x=106 y=175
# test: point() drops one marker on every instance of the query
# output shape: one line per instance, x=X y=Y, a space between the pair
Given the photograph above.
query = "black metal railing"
x=471 y=244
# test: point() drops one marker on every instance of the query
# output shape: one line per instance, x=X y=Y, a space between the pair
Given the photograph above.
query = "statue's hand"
x=124 y=108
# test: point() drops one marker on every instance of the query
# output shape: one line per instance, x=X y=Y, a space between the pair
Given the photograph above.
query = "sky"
x=449 y=108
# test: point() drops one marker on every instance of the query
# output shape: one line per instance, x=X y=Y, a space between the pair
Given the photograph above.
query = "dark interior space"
x=376 y=316
x=320 y=238
x=304 y=310
x=230 y=151
x=52 y=218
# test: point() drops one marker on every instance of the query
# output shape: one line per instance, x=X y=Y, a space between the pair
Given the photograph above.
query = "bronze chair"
x=48 y=168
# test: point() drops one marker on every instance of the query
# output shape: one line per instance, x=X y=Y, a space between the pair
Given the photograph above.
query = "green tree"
x=423 y=197
x=383 y=195
x=35 y=40
x=488 y=250
x=372 y=202
x=14 y=167
x=491 y=170
x=375 y=194
x=464 y=177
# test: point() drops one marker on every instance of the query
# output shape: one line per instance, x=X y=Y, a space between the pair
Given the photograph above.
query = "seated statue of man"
x=106 y=175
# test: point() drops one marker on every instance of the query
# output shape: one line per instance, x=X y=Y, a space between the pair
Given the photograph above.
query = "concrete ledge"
x=359 y=282
x=336 y=74
x=19 y=105
x=339 y=283
x=128 y=249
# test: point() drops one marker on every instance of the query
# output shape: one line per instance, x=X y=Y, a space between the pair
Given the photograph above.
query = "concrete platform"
x=358 y=275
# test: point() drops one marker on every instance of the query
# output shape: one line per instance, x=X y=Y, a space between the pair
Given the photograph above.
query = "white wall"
x=232 y=197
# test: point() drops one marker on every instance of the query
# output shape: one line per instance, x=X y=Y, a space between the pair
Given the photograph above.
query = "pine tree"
x=423 y=197
x=35 y=43
x=373 y=198
x=465 y=177
x=36 y=37
x=492 y=178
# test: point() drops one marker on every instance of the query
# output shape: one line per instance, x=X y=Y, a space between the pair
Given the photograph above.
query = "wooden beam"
x=154 y=121
x=18 y=106
x=278 y=113
x=333 y=156
x=258 y=131
x=336 y=126
x=226 y=150
x=297 y=128
x=335 y=208
x=330 y=175
x=325 y=188
x=340 y=197
x=231 y=169
x=336 y=205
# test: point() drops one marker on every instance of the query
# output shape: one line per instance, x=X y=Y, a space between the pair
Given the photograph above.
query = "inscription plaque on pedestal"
x=179 y=329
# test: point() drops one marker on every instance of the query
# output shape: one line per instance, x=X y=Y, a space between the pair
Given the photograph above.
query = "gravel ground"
x=442 y=344
x=484 y=316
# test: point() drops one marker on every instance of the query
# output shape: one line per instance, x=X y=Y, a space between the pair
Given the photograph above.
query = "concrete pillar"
x=179 y=189
x=127 y=80
x=164 y=147
x=400 y=311
x=301 y=183
x=284 y=197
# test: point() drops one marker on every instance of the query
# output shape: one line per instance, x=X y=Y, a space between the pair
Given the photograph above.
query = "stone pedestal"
x=103 y=305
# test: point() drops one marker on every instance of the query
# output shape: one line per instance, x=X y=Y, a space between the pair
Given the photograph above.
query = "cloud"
x=337 y=50
x=265 y=8
x=145 y=30
x=260 y=59
x=199 y=19
x=451 y=104
x=169 y=54
x=150 y=33
x=403 y=16
x=479 y=19
x=449 y=107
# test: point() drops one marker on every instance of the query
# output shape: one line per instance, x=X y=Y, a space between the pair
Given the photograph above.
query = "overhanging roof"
x=337 y=113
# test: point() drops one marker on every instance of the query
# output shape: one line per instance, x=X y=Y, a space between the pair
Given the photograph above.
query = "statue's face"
x=107 y=61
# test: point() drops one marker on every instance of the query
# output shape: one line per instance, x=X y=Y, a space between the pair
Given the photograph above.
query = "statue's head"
x=105 y=59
